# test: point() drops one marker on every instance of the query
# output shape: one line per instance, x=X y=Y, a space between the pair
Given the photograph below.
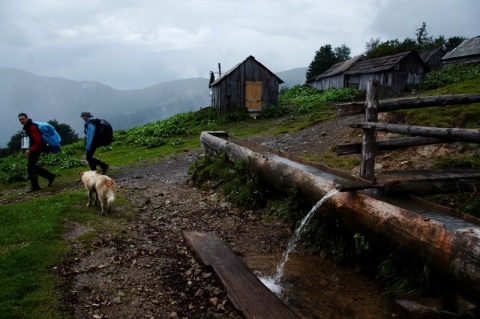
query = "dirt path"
x=142 y=268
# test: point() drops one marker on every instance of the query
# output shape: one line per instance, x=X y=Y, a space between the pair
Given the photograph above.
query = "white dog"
x=103 y=187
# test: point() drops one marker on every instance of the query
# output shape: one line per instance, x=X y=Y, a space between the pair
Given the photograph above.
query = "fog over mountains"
x=49 y=98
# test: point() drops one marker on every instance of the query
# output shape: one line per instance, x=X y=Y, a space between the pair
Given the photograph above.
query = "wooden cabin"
x=335 y=76
x=433 y=58
x=394 y=71
x=247 y=85
x=467 y=52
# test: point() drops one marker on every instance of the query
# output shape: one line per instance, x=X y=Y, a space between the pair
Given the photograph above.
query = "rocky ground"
x=141 y=267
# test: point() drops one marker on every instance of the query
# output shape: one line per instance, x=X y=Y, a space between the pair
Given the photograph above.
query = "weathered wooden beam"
x=391 y=144
x=349 y=109
x=454 y=254
x=424 y=182
x=355 y=108
x=429 y=101
x=342 y=188
x=367 y=166
x=246 y=292
x=448 y=134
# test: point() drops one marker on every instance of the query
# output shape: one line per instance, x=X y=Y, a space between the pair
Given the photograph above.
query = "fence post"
x=367 y=167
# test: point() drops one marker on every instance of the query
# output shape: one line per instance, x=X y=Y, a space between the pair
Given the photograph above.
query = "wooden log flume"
x=453 y=253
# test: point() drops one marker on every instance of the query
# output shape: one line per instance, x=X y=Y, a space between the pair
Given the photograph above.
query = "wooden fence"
x=419 y=135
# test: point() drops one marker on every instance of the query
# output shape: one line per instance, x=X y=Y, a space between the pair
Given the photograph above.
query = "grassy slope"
x=31 y=243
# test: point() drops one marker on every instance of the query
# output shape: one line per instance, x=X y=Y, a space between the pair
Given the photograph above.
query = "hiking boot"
x=31 y=190
x=105 y=169
x=50 y=180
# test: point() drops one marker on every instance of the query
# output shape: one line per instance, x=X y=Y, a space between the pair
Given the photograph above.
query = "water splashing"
x=273 y=282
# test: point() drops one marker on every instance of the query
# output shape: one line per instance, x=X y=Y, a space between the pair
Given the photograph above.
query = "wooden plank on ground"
x=247 y=293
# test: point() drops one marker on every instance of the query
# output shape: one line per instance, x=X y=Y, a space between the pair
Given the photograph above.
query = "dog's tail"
x=110 y=199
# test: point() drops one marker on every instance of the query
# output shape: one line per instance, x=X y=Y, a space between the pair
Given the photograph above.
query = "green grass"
x=463 y=116
x=30 y=246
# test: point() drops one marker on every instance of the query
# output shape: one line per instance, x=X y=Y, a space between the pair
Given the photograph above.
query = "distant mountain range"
x=48 y=98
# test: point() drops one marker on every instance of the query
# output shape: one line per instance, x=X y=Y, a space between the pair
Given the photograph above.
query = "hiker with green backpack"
x=91 y=130
x=35 y=148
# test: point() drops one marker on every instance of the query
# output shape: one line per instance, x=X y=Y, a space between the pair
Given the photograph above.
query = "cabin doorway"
x=253 y=96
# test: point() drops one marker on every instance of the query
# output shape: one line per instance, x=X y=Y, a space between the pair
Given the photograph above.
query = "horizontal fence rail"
x=356 y=108
x=419 y=135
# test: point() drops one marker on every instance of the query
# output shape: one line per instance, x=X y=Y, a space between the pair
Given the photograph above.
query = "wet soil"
x=141 y=267
x=149 y=272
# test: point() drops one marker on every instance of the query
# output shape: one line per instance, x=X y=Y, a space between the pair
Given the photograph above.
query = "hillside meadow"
x=32 y=245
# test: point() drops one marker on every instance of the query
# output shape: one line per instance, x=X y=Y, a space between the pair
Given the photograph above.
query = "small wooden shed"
x=248 y=85
x=394 y=71
x=433 y=58
x=335 y=76
x=467 y=52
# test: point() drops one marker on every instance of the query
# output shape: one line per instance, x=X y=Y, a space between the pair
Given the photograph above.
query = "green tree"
x=453 y=42
x=423 y=42
x=342 y=53
x=15 y=142
x=384 y=48
x=372 y=46
x=323 y=60
x=423 y=39
x=407 y=45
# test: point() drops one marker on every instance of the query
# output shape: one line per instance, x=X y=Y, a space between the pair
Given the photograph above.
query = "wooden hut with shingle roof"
x=248 y=85
x=467 y=52
x=335 y=76
x=394 y=71
x=433 y=58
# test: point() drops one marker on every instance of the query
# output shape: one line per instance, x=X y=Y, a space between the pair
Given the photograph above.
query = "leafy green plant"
x=235 y=180
x=290 y=209
x=361 y=244
x=471 y=204
x=306 y=99
x=12 y=169
x=450 y=75
x=401 y=277
x=273 y=111
x=62 y=160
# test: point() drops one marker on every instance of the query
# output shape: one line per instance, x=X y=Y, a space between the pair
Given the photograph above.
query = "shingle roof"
x=426 y=55
x=468 y=47
x=380 y=64
x=236 y=66
x=338 y=68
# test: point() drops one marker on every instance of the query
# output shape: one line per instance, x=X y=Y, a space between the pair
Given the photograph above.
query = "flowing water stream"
x=273 y=283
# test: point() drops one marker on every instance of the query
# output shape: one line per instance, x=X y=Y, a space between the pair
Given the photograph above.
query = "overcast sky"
x=137 y=43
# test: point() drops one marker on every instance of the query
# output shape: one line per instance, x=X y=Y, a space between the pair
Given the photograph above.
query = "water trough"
x=415 y=227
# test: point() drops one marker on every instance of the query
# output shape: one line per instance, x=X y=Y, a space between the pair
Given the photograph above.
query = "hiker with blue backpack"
x=92 y=142
x=36 y=147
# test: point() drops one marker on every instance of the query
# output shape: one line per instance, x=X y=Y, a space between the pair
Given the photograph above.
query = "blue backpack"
x=49 y=136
